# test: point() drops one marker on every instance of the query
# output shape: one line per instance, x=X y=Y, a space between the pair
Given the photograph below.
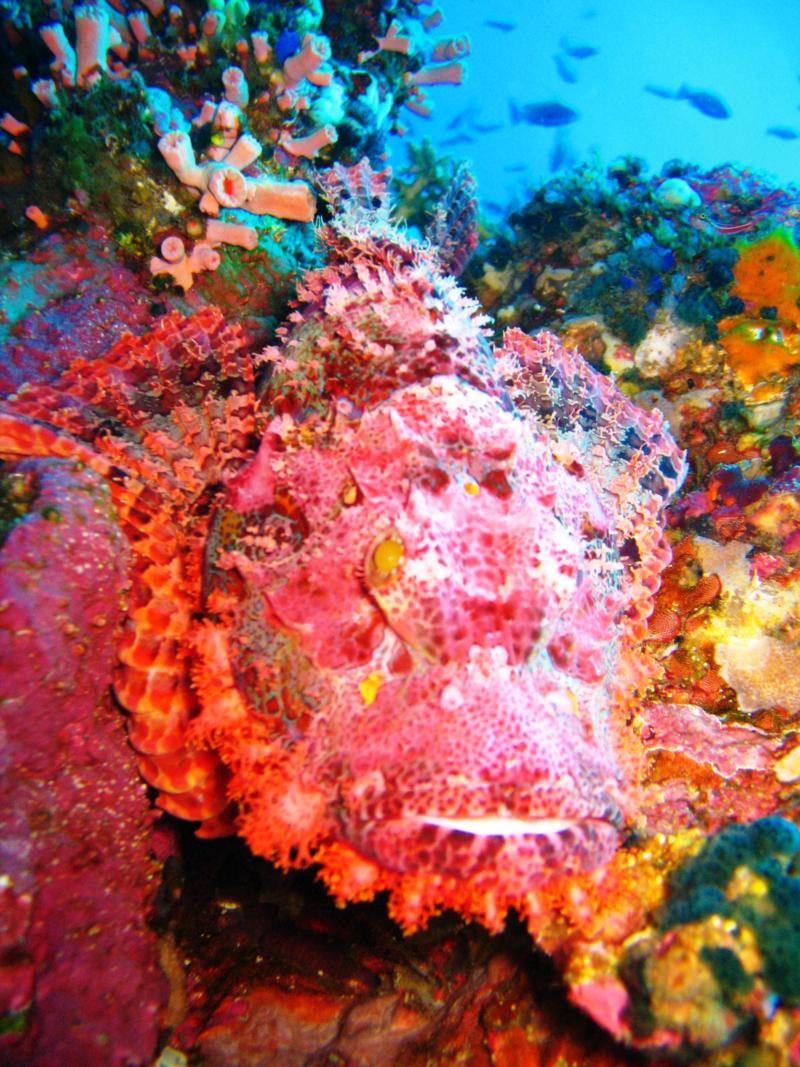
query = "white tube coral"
x=182 y=267
x=313 y=54
x=235 y=83
x=140 y=26
x=449 y=74
x=176 y=148
x=245 y=151
x=65 y=60
x=310 y=145
x=44 y=89
x=12 y=125
x=92 y=40
x=284 y=200
x=227 y=185
x=231 y=233
x=393 y=42
x=173 y=249
x=261 y=47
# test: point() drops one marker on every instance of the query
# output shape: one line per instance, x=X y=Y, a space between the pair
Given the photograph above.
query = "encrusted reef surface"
x=80 y=974
x=458 y=654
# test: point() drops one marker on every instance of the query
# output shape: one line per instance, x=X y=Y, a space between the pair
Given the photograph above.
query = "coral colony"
x=307 y=562
x=283 y=102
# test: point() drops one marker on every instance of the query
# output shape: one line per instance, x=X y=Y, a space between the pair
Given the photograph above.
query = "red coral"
x=79 y=979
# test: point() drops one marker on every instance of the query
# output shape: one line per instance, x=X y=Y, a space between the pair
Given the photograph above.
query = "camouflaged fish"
x=385 y=616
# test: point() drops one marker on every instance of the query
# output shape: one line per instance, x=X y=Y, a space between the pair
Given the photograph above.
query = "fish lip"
x=509 y=826
x=515 y=825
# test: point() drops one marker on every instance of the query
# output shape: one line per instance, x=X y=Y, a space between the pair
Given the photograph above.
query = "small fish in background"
x=562 y=156
x=515 y=168
x=460 y=138
x=542 y=113
x=467 y=122
x=566 y=71
x=463 y=117
x=659 y=90
x=706 y=102
x=497 y=24
x=784 y=133
x=577 y=51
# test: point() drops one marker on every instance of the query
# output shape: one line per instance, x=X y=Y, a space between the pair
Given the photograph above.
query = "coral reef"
x=237 y=98
x=605 y=245
x=429 y=615
x=317 y=653
x=723 y=955
x=763 y=340
x=66 y=296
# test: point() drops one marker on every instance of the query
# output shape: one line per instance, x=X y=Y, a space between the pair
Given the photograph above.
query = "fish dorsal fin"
x=358 y=195
x=626 y=451
x=453 y=230
x=626 y=455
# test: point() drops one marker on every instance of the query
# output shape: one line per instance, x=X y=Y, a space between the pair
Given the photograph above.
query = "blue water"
x=745 y=51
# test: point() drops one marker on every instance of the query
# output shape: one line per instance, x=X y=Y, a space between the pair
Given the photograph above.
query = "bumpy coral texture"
x=76 y=878
x=386 y=617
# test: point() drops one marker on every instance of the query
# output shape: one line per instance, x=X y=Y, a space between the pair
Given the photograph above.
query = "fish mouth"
x=509 y=825
x=522 y=851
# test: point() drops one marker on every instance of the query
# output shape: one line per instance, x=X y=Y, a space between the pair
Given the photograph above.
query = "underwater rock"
x=66 y=297
x=631 y=257
x=675 y=194
x=79 y=977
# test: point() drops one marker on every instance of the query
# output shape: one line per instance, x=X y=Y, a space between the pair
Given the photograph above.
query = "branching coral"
x=240 y=97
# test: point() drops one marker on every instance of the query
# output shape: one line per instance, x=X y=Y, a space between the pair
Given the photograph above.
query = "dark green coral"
x=17 y=493
x=769 y=850
x=98 y=147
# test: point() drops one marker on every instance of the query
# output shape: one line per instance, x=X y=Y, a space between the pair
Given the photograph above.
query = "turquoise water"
x=746 y=52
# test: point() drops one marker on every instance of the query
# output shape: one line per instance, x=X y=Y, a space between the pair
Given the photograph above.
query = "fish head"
x=425 y=606
x=458 y=770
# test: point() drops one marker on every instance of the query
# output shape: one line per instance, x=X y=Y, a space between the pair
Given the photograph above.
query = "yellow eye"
x=387 y=555
x=369 y=687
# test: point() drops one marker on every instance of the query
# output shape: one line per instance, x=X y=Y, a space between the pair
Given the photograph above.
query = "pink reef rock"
x=79 y=979
x=67 y=298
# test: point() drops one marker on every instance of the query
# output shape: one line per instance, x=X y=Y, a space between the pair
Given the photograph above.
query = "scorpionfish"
x=390 y=580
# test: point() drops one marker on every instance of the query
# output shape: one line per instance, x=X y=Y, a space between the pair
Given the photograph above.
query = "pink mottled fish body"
x=447 y=552
x=386 y=607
